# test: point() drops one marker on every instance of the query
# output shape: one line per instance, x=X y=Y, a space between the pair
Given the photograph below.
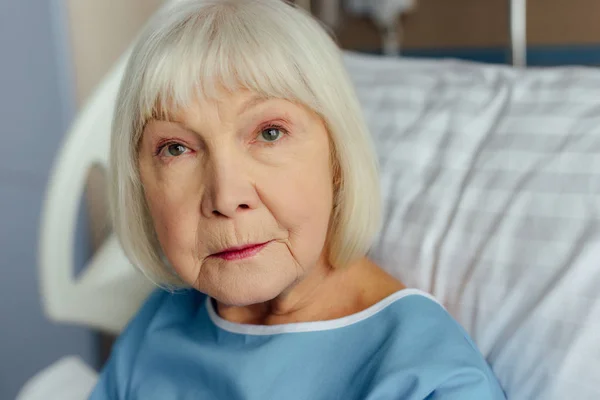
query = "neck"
x=324 y=294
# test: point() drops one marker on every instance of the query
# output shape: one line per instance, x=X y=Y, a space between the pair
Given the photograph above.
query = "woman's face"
x=240 y=193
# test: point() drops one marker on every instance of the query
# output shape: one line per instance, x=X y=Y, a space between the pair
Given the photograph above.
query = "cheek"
x=301 y=200
x=173 y=209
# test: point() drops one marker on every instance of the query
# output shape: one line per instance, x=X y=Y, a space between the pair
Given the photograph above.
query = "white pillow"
x=491 y=182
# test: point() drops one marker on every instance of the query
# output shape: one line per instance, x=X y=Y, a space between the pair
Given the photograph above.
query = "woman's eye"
x=174 y=150
x=270 y=135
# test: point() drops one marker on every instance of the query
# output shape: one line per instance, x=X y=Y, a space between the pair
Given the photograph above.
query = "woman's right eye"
x=173 y=150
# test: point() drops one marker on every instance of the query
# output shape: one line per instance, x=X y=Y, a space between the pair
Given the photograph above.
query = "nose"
x=229 y=190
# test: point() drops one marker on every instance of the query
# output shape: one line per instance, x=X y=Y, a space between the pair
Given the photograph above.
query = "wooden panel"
x=439 y=24
x=457 y=23
x=564 y=21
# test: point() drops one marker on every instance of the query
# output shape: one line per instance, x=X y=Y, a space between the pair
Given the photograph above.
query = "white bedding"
x=491 y=181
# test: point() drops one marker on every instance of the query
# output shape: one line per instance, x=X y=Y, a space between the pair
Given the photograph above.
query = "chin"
x=247 y=282
x=249 y=291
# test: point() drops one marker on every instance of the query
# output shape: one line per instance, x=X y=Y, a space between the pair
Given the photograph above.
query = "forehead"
x=236 y=102
x=230 y=104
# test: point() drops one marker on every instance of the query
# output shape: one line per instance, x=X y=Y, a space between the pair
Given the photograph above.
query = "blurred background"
x=54 y=52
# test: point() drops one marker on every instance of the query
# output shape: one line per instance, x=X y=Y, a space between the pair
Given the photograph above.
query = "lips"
x=240 y=253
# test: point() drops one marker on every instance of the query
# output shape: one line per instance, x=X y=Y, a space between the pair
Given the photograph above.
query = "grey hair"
x=194 y=48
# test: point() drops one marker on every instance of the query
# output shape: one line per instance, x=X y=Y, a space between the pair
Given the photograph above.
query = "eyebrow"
x=252 y=102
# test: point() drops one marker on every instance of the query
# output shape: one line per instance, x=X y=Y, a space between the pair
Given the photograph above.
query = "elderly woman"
x=245 y=185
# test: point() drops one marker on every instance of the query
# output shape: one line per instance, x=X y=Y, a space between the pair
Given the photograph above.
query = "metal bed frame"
x=518 y=32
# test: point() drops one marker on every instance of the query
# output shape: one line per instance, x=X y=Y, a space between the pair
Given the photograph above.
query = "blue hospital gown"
x=404 y=347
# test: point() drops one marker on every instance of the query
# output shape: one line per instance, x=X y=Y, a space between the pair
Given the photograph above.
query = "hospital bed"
x=491 y=186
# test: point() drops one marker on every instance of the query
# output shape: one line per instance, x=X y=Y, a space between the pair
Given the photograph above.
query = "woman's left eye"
x=170 y=150
x=270 y=135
